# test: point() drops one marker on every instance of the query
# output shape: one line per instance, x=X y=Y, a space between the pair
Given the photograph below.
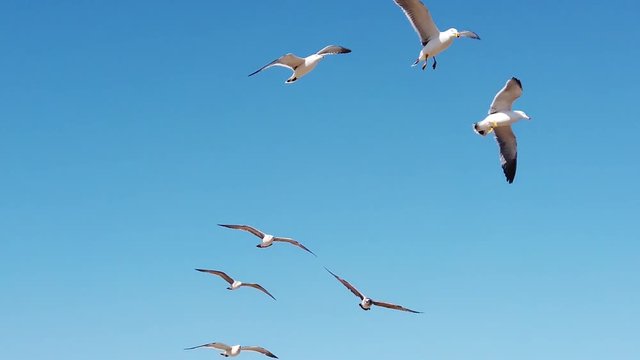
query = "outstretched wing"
x=289 y=61
x=215 y=345
x=508 y=151
x=333 y=49
x=469 y=34
x=347 y=285
x=259 y=287
x=394 y=307
x=506 y=96
x=293 y=242
x=223 y=275
x=248 y=228
x=420 y=18
x=259 y=349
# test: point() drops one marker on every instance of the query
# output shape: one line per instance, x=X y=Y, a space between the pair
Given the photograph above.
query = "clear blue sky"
x=129 y=130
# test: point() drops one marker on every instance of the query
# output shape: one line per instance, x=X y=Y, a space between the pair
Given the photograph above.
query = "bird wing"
x=469 y=34
x=347 y=285
x=508 y=151
x=259 y=287
x=248 y=228
x=293 y=242
x=394 y=307
x=333 y=49
x=260 y=350
x=506 y=96
x=289 y=61
x=223 y=275
x=216 y=345
x=420 y=18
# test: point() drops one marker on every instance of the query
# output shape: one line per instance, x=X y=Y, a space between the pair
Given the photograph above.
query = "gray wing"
x=506 y=96
x=289 y=61
x=223 y=275
x=508 y=151
x=293 y=242
x=394 y=307
x=469 y=34
x=260 y=350
x=215 y=345
x=248 y=228
x=333 y=49
x=420 y=18
x=259 y=287
x=347 y=285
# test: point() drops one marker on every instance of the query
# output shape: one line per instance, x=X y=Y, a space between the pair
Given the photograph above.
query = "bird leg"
x=434 y=63
x=424 y=65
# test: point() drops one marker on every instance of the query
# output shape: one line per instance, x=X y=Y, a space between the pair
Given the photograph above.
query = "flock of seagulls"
x=229 y=351
x=498 y=121
x=433 y=43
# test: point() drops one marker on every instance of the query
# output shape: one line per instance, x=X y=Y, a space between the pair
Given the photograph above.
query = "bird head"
x=454 y=32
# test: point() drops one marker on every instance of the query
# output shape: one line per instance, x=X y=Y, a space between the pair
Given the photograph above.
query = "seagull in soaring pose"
x=366 y=302
x=302 y=66
x=433 y=41
x=267 y=240
x=235 y=284
x=499 y=121
x=234 y=350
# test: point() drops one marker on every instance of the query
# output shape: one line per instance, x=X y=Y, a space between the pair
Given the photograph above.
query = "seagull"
x=235 y=284
x=499 y=121
x=433 y=41
x=302 y=66
x=366 y=302
x=235 y=349
x=267 y=240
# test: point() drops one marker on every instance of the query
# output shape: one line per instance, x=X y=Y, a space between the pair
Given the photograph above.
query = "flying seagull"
x=302 y=66
x=235 y=284
x=235 y=349
x=433 y=41
x=499 y=121
x=267 y=240
x=366 y=302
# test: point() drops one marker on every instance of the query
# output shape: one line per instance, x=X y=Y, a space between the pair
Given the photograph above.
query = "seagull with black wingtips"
x=500 y=118
x=433 y=41
x=302 y=66
x=365 y=302
x=266 y=239
x=234 y=350
x=235 y=284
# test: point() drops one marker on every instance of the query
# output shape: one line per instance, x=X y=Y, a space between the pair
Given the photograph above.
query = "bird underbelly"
x=433 y=48
x=499 y=119
x=304 y=69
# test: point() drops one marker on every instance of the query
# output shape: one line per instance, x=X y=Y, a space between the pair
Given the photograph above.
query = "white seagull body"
x=433 y=41
x=266 y=239
x=235 y=284
x=499 y=121
x=365 y=302
x=302 y=66
x=234 y=350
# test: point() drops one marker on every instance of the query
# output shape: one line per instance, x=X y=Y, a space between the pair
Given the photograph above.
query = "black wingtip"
x=517 y=81
x=509 y=170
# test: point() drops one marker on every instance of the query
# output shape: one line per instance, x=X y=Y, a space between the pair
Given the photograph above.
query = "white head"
x=453 y=32
x=522 y=114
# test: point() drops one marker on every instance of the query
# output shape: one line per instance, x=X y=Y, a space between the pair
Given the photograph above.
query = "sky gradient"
x=129 y=130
